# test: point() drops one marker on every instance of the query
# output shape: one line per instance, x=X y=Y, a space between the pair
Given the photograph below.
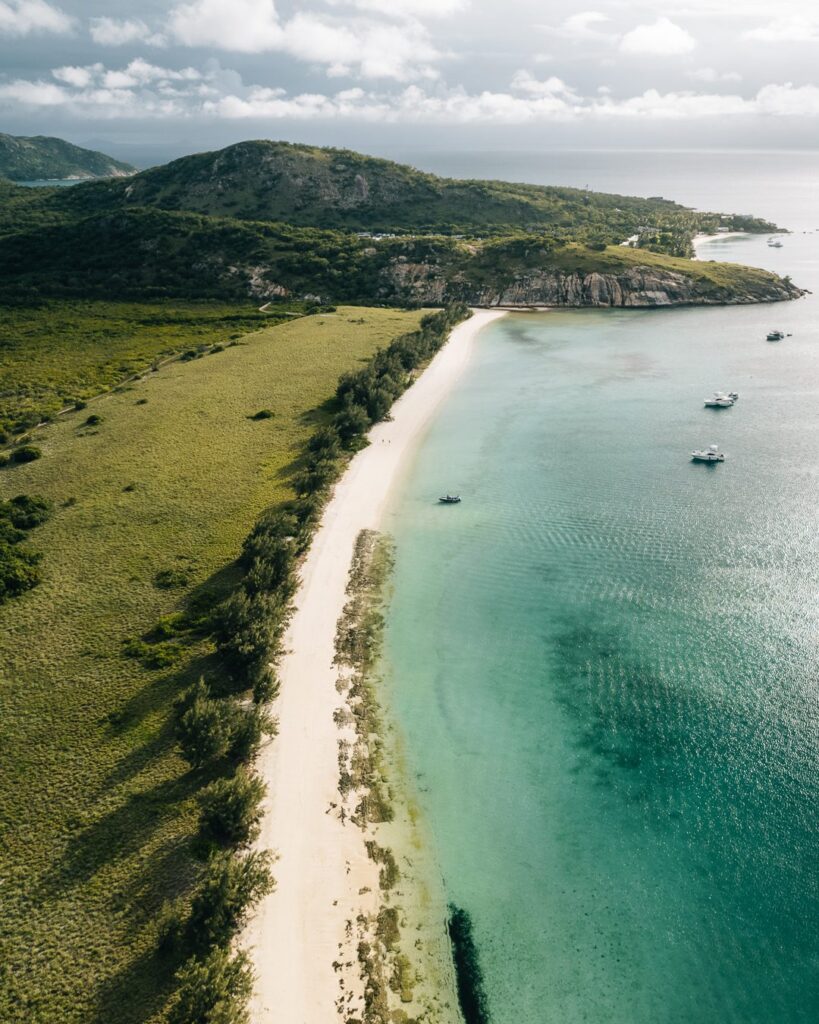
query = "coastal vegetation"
x=148 y=253
x=40 y=157
x=107 y=823
x=273 y=221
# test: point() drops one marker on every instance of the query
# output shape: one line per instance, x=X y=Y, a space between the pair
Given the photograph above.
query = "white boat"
x=720 y=400
x=449 y=499
x=775 y=335
x=709 y=454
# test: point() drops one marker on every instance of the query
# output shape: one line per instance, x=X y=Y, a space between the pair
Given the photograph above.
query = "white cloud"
x=712 y=75
x=32 y=94
x=245 y=26
x=409 y=8
x=24 y=17
x=797 y=28
x=113 y=32
x=788 y=100
x=582 y=25
x=143 y=89
x=662 y=39
x=372 y=49
x=525 y=82
x=80 y=78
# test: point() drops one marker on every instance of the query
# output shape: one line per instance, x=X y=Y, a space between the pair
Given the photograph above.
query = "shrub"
x=244 y=626
x=79 y=405
x=231 y=809
x=266 y=687
x=262 y=414
x=4 y=460
x=19 y=570
x=250 y=726
x=213 y=990
x=26 y=453
x=169 y=579
x=206 y=726
x=141 y=401
x=231 y=887
x=26 y=512
x=351 y=422
x=325 y=444
x=93 y=420
x=265 y=537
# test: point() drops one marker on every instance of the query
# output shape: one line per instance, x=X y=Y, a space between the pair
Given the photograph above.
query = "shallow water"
x=604 y=661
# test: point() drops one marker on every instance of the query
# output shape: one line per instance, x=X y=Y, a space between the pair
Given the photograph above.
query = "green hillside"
x=333 y=188
x=24 y=158
x=152 y=253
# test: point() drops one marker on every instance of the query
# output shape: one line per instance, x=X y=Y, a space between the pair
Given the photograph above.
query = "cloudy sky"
x=378 y=73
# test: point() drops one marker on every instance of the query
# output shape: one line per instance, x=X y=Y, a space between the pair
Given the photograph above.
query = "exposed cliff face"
x=634 y=287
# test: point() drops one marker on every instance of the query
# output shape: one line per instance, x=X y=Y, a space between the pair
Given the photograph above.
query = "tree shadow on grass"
x=136 y=993
x=121 y=833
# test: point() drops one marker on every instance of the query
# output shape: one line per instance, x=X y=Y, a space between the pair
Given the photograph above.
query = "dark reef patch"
x=471 y=993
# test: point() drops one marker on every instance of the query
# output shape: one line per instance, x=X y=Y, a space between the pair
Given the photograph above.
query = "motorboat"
x=719 y=400
x=775 y=245
x=775 y=335
x=450 y=499
x=709 y=454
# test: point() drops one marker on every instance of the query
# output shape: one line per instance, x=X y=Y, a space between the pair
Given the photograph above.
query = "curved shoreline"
x=324 y=875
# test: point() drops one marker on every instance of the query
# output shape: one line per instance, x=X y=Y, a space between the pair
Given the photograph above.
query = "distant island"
x=41 y=158
x=274 y=221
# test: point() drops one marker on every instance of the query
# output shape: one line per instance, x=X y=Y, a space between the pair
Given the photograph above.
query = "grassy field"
x=61 y=351
x=96 y=808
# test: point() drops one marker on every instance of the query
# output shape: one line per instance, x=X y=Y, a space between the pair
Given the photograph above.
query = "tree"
x=214 y=990
x=231 y=809
x=206 y=727
x=231 y=887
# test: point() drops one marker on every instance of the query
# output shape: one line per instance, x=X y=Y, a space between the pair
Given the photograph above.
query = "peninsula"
x=272 y=221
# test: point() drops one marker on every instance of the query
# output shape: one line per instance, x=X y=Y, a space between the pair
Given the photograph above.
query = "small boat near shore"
x=449 y=499
x=709 y=454
x=775 y=335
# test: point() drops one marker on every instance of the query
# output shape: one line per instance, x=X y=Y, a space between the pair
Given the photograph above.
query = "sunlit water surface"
x=604 y=662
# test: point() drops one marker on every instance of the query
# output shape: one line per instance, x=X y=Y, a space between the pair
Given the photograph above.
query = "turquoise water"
x=604 y=661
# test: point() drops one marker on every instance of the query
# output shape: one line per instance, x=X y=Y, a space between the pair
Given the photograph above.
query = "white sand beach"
x=324 y=877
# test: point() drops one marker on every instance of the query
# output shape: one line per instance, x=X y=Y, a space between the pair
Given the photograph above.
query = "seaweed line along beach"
x=324 y=876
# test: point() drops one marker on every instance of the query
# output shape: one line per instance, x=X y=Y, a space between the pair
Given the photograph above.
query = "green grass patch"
x=99 y=811
x=63 y=352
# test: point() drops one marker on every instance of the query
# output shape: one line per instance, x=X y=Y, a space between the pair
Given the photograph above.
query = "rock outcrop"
x=633 y=287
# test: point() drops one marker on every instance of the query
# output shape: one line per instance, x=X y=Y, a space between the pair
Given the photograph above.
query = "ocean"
x=603 y=664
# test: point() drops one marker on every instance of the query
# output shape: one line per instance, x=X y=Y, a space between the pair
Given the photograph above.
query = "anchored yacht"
x=720 y=400
x=709 y=454
x=775 y=335
x=450 y=499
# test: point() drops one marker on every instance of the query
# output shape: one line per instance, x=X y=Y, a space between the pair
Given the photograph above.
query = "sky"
x=163 y=78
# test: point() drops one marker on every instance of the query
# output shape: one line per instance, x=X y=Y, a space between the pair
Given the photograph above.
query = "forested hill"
x=270 y=220
x=333 y=188
x=40 y=157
